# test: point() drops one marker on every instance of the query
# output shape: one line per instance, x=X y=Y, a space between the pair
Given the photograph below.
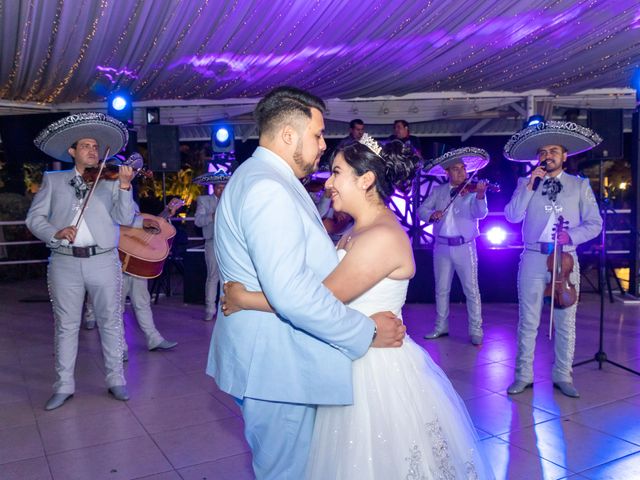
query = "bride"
x=406 y=420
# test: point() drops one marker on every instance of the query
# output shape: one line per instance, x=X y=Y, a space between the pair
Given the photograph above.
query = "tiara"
x=370 y=143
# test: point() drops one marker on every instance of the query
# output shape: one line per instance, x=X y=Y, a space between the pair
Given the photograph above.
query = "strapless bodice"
x=387 y=294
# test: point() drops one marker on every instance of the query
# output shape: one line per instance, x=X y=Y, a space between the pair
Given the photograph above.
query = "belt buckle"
x=81 y=252
x=455 y=241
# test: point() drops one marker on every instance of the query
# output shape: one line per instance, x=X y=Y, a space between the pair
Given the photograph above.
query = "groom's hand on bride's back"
x=390 y=330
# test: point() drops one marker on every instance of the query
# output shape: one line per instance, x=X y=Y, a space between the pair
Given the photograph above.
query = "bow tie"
x=80 y=186
x=551 y=187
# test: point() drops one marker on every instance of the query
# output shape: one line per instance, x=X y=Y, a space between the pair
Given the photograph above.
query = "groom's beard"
x=306 y=168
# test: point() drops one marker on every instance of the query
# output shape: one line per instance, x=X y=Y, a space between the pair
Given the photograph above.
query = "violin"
x=472 y=187
x=469 y=186
x=112 y=167
x=560 y=292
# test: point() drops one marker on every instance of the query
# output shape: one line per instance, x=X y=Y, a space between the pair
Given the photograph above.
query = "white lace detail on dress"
x=440 y=449
x=415 y=462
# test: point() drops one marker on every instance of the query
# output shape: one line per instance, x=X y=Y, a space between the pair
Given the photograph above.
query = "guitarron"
x=144 y=251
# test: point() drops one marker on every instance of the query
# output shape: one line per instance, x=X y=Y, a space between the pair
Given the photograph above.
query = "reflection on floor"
x=178 y=425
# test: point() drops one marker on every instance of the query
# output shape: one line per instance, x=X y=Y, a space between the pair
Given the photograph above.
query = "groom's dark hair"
x=285 y=104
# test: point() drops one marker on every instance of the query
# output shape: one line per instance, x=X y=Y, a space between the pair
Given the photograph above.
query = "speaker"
x=132 y=145
x=608 y=124
x=163 y=144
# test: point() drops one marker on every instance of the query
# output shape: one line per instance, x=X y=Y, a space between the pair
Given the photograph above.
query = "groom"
x=269 y=236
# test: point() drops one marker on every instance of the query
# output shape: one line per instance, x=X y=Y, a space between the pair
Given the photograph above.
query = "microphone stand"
x=600 y=356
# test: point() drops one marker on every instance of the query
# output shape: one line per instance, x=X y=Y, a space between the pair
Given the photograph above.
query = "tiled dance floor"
x=178 y=425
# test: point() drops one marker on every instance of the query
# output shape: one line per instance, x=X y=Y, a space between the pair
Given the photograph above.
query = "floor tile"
x=172 y=475
x=79 y=432
x=495 y=377
x=144 y=390
x=31 y=469
x=512 y=463
x=11 y=392
x=16 y=414
x=619 y=419
x=570 y=444
x=20 y=443
x=202 y=443
x=497 y=414
x=123 y=460
x=177 y=412
x=88 y=400
x=237 y=467
x=544 y=396
x=623 y=468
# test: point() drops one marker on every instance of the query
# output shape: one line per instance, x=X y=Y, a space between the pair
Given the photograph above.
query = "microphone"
x=536 y=182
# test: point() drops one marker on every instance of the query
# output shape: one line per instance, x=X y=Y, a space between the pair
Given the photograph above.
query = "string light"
x=381 y=50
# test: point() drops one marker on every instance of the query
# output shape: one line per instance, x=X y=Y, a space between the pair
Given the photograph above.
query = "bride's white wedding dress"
x=406 y=421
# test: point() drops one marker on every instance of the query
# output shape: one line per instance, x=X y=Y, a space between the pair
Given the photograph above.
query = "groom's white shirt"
x=269 y=236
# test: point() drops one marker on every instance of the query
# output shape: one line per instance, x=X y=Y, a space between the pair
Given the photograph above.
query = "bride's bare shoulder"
x=387 y=235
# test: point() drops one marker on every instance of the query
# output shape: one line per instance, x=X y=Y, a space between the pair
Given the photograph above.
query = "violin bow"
x=93 y=187
x=553 y=282
x=458 y=193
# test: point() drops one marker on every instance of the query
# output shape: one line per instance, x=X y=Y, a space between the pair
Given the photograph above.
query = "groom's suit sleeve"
x=275 y=236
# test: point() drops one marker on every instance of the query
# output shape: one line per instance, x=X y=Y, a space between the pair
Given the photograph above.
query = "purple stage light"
x=496 y=235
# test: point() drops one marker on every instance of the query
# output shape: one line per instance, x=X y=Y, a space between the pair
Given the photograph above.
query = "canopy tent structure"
x=457 y=67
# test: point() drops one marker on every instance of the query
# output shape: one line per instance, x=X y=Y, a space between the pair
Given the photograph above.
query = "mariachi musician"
x=81 y=227
x=136 y=286
x=204 y=218
x=539 y=201
x=454 y=212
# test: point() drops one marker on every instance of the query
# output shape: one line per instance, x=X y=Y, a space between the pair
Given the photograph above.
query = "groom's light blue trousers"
x=279 y=435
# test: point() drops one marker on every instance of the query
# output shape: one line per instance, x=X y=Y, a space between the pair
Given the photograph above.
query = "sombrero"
x=473 y=158
x=56 y=139
x=523 y=146
x=212 y=178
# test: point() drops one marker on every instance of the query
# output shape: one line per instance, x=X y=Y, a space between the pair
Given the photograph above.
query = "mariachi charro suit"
x=464 y=213
x=576 y=203
x=54 y=207
x=204 y=217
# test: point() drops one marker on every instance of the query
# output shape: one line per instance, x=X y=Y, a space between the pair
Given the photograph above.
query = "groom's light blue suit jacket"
x=269 y=236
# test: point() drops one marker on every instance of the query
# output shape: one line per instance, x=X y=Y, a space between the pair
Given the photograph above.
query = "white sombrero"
x=56 y=139
x=473 y=158
x=523 y=146
x=212 y=178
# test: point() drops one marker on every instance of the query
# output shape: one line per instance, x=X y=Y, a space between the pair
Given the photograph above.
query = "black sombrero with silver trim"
x=473 y=158
x=523 y=146
x=212 y=178
x=56 y=139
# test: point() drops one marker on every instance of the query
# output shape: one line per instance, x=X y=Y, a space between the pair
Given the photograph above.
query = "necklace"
x=381 y=211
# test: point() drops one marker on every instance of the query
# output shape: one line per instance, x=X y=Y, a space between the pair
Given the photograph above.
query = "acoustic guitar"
x=143 y=251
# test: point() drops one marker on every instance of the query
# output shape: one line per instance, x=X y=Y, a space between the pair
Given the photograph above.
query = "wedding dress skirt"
x=406 y=421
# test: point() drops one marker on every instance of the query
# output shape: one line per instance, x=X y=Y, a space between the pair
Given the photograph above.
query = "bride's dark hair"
x=394 y=168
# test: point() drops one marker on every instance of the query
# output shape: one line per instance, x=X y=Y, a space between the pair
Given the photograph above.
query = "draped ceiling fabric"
x=66 y=54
